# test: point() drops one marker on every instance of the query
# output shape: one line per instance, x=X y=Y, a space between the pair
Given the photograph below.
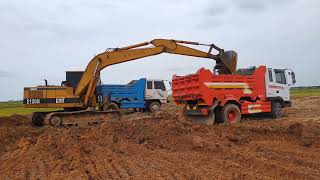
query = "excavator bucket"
x=229 y=60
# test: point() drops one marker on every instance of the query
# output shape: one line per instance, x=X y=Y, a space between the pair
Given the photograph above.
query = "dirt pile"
x=165 y=145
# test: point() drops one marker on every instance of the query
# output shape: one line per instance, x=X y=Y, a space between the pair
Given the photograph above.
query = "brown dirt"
x=166 y=146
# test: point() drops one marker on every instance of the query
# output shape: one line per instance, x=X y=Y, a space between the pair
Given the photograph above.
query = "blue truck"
x=143 y=94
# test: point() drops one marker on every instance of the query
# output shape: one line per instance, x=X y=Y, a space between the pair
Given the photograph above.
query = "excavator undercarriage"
x=73 y=118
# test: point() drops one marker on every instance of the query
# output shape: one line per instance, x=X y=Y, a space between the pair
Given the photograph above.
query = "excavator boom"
x=226 y=61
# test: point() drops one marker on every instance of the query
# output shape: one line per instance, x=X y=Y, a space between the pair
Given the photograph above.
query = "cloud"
x=220 y=8
x=216 y=9
x=214 y=14
x=56 y=18
x=250 y=5
x=256 y=6
x=42 y=39
x=176 y=69
x=4 y=73
x=210 y=22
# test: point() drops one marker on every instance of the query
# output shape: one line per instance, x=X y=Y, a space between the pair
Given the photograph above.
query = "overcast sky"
x=43 y=39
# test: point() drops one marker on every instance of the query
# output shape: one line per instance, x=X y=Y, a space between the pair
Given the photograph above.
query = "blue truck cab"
x=139 y=94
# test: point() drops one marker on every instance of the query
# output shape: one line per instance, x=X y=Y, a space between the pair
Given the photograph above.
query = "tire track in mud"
x=166 y=146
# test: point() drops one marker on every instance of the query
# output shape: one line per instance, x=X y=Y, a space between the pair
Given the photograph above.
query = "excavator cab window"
x=73 y=78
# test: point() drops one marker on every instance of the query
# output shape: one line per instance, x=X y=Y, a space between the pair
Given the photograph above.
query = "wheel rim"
x=278 y=110
x=37 y=120
x=232 y=116
x=155 y=107
x=55 y=121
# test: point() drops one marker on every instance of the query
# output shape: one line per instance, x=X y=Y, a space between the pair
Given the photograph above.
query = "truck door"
x=160 y=91
x=149 y=90
x=276 y=84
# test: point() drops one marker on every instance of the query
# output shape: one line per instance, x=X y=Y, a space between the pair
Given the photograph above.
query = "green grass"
x=16 y=107
x=10 y=108
x=301 y=92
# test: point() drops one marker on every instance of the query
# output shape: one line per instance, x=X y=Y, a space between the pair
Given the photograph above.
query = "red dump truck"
x=211 y=97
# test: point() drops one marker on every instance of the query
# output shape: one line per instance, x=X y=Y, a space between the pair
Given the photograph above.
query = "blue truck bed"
x=131 y=95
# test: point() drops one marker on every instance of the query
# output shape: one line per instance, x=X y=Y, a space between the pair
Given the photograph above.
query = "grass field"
x=305 y=92
x=10 y=108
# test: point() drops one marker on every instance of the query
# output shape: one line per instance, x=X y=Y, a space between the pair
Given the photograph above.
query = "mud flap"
x=203 y=119
x=208 y=119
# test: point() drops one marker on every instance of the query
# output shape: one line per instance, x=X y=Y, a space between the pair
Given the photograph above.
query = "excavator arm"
x=226 y=61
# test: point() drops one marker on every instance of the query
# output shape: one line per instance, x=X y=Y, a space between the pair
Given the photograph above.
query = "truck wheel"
x=276 y=110
x=230 y=114
x=37 y=119
x=112 y=106
x=55 y=121
x=154 y=106
x=217 y=112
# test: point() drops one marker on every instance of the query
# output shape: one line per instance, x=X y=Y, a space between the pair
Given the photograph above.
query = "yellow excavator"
x=76 y=96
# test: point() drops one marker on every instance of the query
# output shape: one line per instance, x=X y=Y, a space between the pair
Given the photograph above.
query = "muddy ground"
x=166 y=146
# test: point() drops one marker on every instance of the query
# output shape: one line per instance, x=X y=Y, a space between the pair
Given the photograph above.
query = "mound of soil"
x=165 y=145
x=14 y=120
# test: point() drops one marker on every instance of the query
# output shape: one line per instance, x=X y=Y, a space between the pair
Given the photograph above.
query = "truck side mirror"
x=293 y=76
x=170 y=84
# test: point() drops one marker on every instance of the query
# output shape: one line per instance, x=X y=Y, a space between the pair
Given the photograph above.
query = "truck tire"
x=154 y=106
x=217 y=112
x=55 y=121
x=113 y=106
x=230 y=114
x=276 y=110
x=37 y=119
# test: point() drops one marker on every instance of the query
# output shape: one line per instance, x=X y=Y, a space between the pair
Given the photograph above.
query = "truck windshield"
x=280 y=76
x=159 y=85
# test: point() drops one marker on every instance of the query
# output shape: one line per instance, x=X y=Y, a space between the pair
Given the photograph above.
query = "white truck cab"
x=156 y=90
x=143 y=94
x=278 y=82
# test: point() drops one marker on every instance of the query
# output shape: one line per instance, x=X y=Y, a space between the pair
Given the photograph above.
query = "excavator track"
x=79 y=118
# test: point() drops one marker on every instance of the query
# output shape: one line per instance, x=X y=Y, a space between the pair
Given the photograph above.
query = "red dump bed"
x=204 y=86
